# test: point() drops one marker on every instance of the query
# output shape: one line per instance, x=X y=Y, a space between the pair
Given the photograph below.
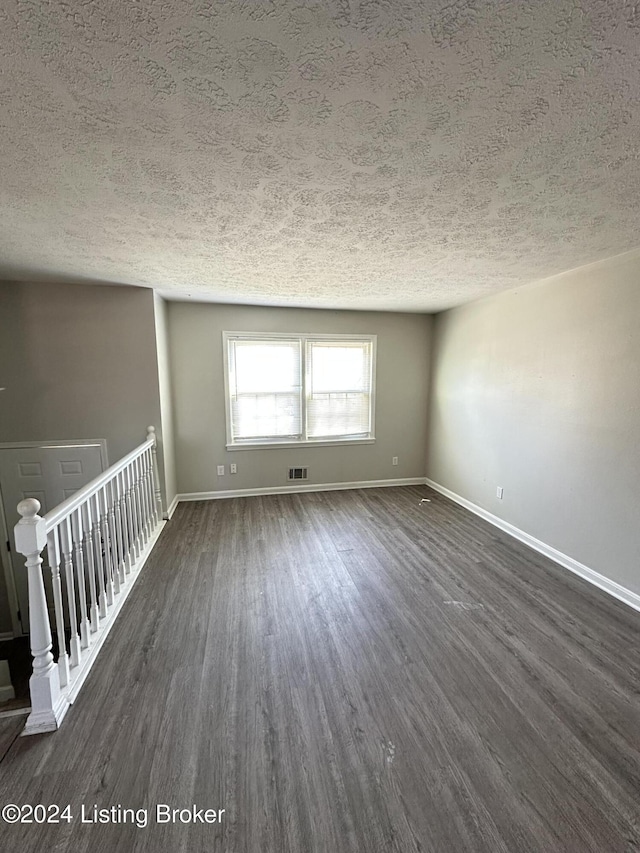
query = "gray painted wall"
x=195 y=332
x=538 y=391
x=77 y=362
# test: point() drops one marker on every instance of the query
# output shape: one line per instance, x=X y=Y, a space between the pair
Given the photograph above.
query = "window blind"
x=265 y=388
x=338 y=388
x=298 y=388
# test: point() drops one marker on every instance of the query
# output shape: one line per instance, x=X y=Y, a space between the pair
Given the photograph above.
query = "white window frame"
x=303 y=337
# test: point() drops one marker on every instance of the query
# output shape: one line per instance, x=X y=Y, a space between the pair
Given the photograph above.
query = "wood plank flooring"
x=349 y=671
x=10 y=728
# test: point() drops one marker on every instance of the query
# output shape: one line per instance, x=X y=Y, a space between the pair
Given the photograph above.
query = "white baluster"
x=94 y=511
x=66 y=543
x=122 y=547
x=153 y=509
x=135 y=471
x=137 y=491
x=146 y=492
x=47 y=702
x=146 y=504
x=106 y=548
x=91 y=568
x=155 y=475
x=124 y=520
x=133 y=510
x=153 y=512
x=77 y=532
x=156 y=511
x=118 y=577
x=53 y=554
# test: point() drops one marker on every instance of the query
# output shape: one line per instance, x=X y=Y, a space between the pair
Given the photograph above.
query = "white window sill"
x=280 y=445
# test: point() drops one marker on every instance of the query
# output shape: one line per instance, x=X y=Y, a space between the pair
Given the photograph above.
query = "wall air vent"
x=298 y=474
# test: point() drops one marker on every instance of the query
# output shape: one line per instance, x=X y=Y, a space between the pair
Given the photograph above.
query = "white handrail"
x=64 y=509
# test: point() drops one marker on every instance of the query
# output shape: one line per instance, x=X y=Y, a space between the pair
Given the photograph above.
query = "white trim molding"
x=293 y=489
x=286 y=445
x=172 y=507
x=303 y=341
x=62 y=442
x=623 y=594
x=16 y=712
x=7 y=693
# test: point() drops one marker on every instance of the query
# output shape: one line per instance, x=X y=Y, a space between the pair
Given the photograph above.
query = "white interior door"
x=50 y=474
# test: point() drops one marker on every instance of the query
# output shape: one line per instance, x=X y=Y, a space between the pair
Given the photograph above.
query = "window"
x=283 y=389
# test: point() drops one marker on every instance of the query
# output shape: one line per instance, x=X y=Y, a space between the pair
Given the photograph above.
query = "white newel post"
x=151 y=434
x=48 y=705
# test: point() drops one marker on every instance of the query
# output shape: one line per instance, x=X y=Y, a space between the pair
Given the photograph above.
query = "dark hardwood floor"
x=349 y=671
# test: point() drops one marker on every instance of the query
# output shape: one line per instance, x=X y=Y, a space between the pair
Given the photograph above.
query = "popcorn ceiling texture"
x=396 y=155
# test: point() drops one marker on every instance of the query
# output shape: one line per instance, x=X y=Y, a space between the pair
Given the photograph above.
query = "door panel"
x=51 y=475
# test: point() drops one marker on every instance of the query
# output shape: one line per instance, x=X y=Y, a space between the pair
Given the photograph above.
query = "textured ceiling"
x=384 y=154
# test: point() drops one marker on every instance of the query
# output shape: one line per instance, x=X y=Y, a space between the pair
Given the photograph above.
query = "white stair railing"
x=96 y=543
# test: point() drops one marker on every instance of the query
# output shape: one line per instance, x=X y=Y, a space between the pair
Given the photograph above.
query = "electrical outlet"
x=233 y=468
x=220 y=470
x=499 y=492
x=394 y=460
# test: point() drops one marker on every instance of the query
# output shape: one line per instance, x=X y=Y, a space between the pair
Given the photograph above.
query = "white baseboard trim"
x=300 y=487
x=7 y=692
x=172 y=506
x=16 y=712
x=615 y=589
